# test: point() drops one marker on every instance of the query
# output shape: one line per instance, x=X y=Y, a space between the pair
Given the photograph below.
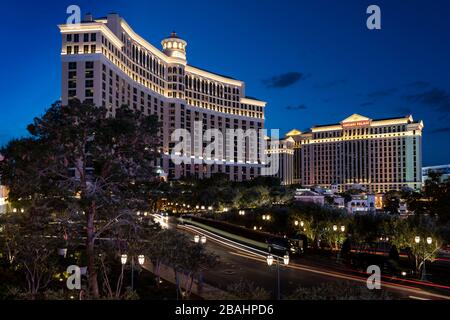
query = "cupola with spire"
x=174 y=46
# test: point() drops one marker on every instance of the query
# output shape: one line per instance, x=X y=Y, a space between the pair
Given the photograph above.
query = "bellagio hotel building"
x=108 y=64
x=379 y=155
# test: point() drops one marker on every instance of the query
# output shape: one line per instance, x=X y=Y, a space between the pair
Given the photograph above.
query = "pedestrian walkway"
x=199 y=288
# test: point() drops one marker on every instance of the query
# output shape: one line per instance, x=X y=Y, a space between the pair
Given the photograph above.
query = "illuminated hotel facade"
x=284 y=151
x=106 y=63
x=378 y=155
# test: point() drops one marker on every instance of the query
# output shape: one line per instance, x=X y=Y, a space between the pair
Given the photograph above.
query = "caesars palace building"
x=378 y=155
x=106 y=63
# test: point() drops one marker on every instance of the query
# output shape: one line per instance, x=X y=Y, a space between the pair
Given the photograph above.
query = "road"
x=241 y=262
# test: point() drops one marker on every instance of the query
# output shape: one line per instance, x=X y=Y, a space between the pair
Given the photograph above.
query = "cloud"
x=382 y=93
x=330 y=84
x=299 y=107
x=438 y=99
x=441 y=130
x=366 y=104
x=284 y=80
x=419 y=84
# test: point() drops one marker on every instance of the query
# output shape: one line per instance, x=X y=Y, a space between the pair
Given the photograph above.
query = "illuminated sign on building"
x=356 y=124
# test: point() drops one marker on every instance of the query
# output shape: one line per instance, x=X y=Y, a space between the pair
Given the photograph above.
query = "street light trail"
x=328 y=273
x=259 y=255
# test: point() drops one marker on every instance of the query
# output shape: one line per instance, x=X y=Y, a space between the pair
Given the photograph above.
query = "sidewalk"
x=203 y=290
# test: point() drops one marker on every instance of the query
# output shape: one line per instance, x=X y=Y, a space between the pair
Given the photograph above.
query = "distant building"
x=444 y=170
x=285 y=152
x=376 y=154
x=105 y=62
x=3 y=196
x=361 y=203
x=306 y=195
x=403 y=207
x=339 y=202
x=334 y=188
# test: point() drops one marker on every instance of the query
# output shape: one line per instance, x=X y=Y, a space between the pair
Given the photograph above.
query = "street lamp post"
x=123 y=260
x=270 y=260
x=428 y=241
x=199 y=239
x=202 y=241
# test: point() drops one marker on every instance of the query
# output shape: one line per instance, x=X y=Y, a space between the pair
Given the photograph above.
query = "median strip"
x=231 y=236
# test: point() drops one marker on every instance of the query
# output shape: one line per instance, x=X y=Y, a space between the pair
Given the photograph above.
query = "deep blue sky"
x=314 y=62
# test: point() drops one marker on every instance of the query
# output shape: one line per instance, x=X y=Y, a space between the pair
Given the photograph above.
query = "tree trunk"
x=90 y=253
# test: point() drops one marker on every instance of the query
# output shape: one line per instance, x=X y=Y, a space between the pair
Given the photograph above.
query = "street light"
x=264 y=217
x=335 y=228
x=203 y=239
x=270 y=260
x=342 y=228
x=123 y=260
x=429 y=241
x=196 y=238
x=295 y=223
x=302 y=223
x=268 y=217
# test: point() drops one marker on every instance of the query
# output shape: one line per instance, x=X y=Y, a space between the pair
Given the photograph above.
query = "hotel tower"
x=108 y=64
x=379 y=155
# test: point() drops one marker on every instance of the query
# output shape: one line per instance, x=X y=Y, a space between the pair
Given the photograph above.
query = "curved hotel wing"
x=379 y=155
x=105 y=62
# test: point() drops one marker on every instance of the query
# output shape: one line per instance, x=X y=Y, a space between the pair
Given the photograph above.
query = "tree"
x=405 y=232
x=318 y=222
x=28 y=247
x=187 y=260
x=367 y=228
x=348 y=194
x=391 y=201
x=96 y=167
x=434 y=199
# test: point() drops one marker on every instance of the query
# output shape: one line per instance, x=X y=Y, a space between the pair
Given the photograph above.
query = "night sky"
x=314 y=62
